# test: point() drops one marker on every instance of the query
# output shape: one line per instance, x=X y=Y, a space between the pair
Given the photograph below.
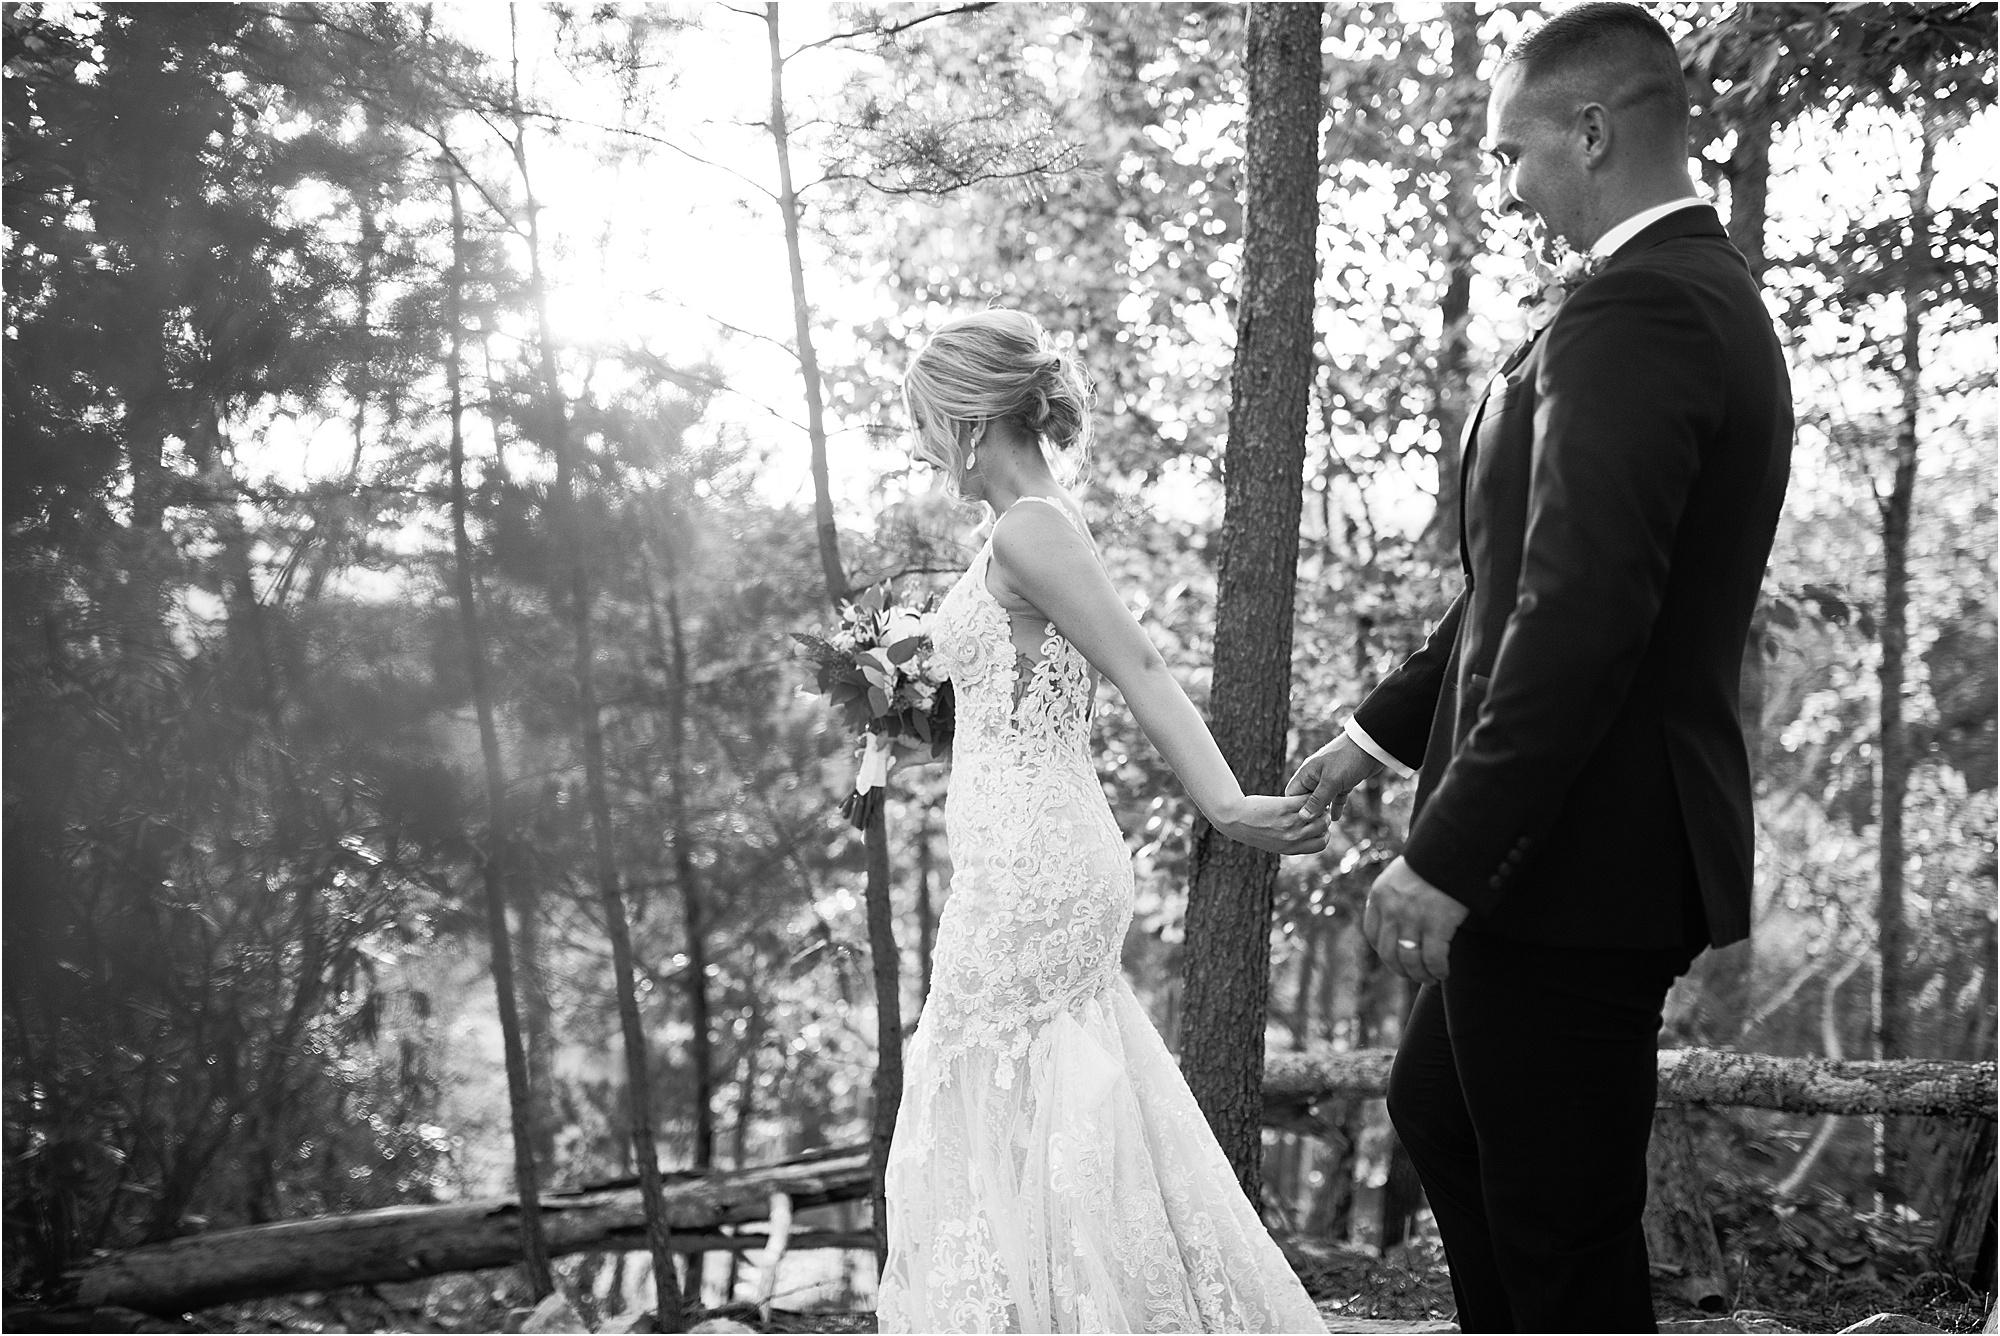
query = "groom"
x=1582 y=824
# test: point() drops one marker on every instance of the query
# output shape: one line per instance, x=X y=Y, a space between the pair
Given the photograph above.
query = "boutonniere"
x=1570 y=272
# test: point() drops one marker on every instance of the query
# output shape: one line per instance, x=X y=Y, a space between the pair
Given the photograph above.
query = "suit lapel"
x=1468 y=445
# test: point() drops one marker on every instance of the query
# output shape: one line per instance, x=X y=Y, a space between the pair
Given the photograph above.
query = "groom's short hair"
x=1609 y=52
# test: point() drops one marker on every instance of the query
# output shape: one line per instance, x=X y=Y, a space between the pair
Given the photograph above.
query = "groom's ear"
x=1593 y=134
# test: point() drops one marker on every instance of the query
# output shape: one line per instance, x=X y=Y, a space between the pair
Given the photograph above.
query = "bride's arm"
x=1041 y=557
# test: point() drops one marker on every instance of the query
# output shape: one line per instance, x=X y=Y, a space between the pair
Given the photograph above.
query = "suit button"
x=1496 y=881
x=1514 y=858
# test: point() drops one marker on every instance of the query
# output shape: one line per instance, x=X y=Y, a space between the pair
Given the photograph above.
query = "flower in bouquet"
x=877 y=670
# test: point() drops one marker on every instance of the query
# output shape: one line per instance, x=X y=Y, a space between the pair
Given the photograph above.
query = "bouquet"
x=878 y=672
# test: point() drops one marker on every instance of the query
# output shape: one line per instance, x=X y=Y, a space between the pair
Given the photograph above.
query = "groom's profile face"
x=1539 y=177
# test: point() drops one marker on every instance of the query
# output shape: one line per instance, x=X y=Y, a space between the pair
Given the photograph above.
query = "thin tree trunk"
x=1463 y=105
x=700 y=1055
x=926 y=912
x=746 y=1108
x=881 y=913
x=788 y=206
x=537 y=1012
x=1892 y=1038
x=492 y=866
x=638 y=1083
x=888 y=1021
x=1891 y=1041
x=1302 y=998
x=1230 y=896
x=1749 y=175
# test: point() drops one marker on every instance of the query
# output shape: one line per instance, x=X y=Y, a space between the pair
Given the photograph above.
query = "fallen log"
x=411 y=1242
x=1932 y=1087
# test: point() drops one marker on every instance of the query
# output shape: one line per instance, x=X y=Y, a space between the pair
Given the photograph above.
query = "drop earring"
x=972 y=453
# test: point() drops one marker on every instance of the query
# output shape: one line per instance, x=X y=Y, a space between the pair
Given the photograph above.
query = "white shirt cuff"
x=1374 y=749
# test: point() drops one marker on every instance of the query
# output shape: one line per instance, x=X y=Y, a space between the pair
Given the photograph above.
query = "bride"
x=1051 y=1170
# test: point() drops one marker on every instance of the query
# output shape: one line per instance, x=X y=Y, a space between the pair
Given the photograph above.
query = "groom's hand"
x=1330 y=773
x=1411 y=923
x=1273 y=824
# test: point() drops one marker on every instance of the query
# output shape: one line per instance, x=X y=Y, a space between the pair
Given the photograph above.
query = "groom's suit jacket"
x=1574 y=715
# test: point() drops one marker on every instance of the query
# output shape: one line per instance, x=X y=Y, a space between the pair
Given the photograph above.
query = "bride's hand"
x=1273 y=824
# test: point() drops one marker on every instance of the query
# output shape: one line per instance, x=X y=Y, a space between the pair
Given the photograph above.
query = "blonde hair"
x=996 y=366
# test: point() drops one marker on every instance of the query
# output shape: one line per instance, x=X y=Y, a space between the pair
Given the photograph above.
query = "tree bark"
x=1931 y=1087
x=1464 y=104
x=410 y=1242
x=888 y=1089
x=926 y=910
x=492 y=864
x=1891 y=1042
x=700 y=1044
x=638 y=1082
x=1231 y=885
x=788 y=208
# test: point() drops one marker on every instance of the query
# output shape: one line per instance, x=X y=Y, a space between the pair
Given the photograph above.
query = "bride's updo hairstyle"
x=997 y=366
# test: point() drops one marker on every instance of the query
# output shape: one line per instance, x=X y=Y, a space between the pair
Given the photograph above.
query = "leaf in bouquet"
x=872 y=598
x=818 y=650
x=905 y=649
x=878 y=701
x=922 y=722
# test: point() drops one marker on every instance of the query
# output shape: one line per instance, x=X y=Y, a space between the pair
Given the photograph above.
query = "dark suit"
x=1585 y=789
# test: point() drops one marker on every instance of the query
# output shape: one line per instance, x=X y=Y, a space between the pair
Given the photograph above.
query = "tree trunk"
x=1464 y=105
x=638 y=1083
x=400 y=1243
x=1892 y=1038
x=1891 y=1042
x=492 y=866
x=1749 y=175
x=746 y=1108
x=888 y=1021
x=926 y=912
x=788 y=207
x=1302 y=997
x=537 y=1013
x=671 y=648
x=881 y=913
x=1231 y=885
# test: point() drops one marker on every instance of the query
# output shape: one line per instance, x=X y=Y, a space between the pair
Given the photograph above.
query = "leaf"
x=905 y=649
x=878 y=701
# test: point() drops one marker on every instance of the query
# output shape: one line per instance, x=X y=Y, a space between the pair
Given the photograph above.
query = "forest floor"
x=1407 y=1289
x=1409 y=1283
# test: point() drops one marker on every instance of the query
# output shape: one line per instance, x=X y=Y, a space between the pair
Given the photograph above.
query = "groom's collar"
x=1615 y=239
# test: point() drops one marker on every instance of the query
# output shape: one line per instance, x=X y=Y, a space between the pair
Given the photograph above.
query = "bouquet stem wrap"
x=871 y=780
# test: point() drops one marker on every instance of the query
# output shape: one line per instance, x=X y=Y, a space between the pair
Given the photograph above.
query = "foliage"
x=243 y=976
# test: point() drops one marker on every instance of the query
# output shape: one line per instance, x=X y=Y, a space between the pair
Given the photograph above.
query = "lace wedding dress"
x=1051 y=1170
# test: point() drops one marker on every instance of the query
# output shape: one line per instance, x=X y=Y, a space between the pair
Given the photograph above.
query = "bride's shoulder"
x=1036 y=522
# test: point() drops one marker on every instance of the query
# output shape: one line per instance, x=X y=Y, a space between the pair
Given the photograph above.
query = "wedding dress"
x=1050 y=1169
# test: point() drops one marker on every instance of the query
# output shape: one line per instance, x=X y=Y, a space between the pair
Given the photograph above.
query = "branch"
x=892 y=29
x=660 y=295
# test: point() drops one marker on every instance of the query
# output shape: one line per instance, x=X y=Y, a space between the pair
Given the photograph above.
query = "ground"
x=1407 y=1285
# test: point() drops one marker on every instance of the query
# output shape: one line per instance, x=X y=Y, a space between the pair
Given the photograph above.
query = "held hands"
x=1276 y=825
x=1330 y=773
x=1411 y=922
